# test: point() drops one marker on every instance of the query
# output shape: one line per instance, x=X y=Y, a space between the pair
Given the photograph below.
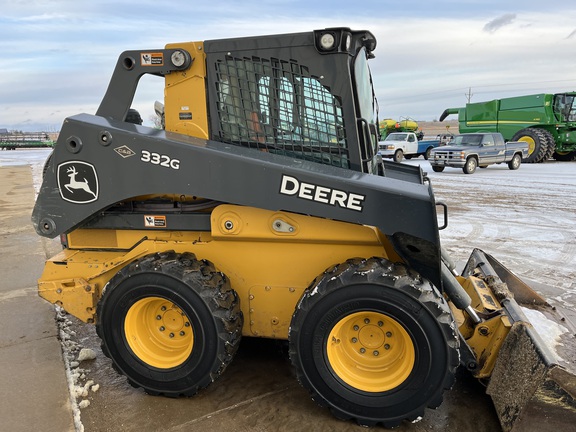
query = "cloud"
x=43 y=17
x=424 y=62
x=498 y=23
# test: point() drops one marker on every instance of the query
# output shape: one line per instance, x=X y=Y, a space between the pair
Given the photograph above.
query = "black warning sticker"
x=152 y=59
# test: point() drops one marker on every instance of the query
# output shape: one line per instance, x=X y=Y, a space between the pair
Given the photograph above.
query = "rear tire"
x=514 y=164
x=427 y=153
x=564 y=156
x=170 y=323
x=360 y=349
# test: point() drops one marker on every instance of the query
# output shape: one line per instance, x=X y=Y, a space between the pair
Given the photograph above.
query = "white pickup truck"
x=398 y=145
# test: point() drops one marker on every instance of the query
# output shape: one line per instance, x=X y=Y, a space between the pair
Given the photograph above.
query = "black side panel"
x=89 y=174
x=129 y=69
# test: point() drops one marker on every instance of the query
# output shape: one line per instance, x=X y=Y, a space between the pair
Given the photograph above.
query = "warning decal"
x=154 y=221
x=152 y=59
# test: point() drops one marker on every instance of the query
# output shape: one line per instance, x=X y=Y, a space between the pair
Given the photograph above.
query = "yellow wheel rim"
x=370 y=351
x=531 y=143
x=158 y=332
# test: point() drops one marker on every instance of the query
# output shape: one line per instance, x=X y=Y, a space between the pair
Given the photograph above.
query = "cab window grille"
x=277 y=106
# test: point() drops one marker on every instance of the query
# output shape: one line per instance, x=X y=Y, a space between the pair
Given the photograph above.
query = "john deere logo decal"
x=78 y=182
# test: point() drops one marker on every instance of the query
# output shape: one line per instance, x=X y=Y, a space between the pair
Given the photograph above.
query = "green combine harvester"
x=547 y=122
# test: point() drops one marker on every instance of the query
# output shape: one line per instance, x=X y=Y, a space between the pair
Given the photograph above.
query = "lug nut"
x=388 y=334
x=354 y=340
x=162 y=328
x=356 y=328
x=171 y=335
x=182 y=333
x=163 y=308
x=362 y=350
x=386 y=347
x=158 y=317
x=366 y=321
x=376 y=353
x=380 y=323
x=186 y=324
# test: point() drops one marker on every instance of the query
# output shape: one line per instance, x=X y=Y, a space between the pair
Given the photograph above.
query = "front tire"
x=398 y=156
x=360 y=349
x=470 y=166
x=170 y=323
x=437 y=168
x=541 y=144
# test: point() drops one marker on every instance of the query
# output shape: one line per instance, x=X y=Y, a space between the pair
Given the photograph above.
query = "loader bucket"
x=533 y=384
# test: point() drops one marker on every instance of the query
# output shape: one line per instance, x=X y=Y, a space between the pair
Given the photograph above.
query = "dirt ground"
x=431 y=129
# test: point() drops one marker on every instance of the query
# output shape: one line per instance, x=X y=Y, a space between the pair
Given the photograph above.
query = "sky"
x=59 y=54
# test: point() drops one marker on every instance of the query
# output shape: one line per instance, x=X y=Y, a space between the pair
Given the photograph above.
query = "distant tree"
x=156 y=121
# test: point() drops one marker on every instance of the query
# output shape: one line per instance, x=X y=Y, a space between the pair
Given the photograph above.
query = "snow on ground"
x=526 y=218
x=33 y=157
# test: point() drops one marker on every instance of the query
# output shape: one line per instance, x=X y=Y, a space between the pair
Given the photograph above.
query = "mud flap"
x=533 y=386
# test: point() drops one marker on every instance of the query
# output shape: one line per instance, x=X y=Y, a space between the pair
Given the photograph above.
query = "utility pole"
x=469 y=94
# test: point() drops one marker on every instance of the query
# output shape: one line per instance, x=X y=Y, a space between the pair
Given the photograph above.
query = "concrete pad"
x=22 y=260
x=34 y=392
x=25 y=317
x=22 y=252
x=258 y=392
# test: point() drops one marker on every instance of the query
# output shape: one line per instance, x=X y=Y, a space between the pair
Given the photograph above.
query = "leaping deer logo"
x=78 y=182
x=75 y=184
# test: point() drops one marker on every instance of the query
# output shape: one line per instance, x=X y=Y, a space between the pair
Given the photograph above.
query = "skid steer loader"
x=262 y=210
